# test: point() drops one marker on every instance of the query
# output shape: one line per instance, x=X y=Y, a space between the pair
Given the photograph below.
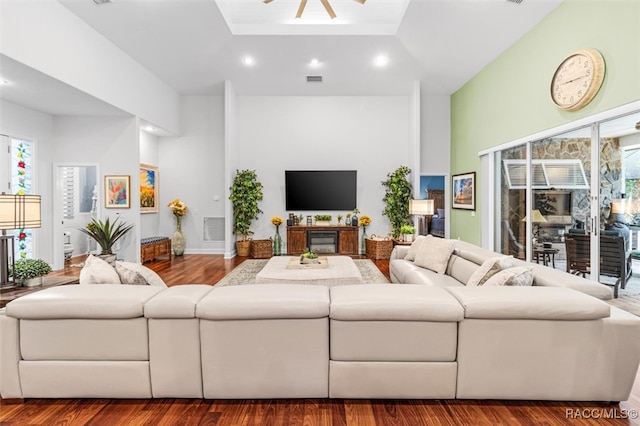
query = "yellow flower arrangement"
x=364 y=220
x=277 y=220
x=177 y=207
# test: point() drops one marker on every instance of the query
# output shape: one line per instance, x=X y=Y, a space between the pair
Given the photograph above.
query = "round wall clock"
x=577 y=79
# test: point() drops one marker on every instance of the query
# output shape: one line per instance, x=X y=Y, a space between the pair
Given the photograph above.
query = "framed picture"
x=148 y=189
x=464 y=191
x=117 y=191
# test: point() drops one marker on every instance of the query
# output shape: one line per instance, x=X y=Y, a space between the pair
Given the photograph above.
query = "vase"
x=363 y=243
x=277 y=242
x=177 y=240
x=354 y=220
x=32 y=282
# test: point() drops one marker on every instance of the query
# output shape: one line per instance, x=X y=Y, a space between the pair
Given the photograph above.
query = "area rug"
x=246 y=272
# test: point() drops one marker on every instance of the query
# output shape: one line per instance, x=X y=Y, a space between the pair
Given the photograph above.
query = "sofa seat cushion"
x=545 y=303
x=265 y=301
x=549 y=277
x=83 y=301
x=179 y=301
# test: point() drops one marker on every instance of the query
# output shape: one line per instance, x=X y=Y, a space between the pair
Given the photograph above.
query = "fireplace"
x=323 y=241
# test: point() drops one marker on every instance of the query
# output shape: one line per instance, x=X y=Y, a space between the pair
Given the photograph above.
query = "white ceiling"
x=188 y=44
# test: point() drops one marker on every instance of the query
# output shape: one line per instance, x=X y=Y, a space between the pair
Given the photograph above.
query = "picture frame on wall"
x=463 y=191
x=117 y=191
x=149 y=189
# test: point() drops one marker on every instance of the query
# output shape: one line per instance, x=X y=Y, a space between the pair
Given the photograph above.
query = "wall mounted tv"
x=553 y=202
x=320 y=189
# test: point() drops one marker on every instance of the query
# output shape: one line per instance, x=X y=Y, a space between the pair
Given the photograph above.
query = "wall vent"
x=213 y=229
x=101 y=2
x=314 y=79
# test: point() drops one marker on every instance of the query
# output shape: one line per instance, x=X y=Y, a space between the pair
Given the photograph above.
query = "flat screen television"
x=320 y=189
x=553 y=202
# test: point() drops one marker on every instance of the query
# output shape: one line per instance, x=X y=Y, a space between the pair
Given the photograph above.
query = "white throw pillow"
x=97 y=271
x=128 y=276
x=517 y=276
x=434 y=254
x=489 y=268
x=149 y=275
x=415 y=246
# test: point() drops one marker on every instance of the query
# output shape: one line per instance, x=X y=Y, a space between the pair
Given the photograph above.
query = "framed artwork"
x=464 y=191
x=117 y=191
x=148 y=189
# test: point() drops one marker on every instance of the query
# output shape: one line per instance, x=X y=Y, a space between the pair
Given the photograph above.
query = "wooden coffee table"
x=338 y=270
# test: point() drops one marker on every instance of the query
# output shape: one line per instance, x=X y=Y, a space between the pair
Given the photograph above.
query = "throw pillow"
x=149 y=275
x=517 y=276
x=413 y=249
x=489 y=268
x=441 y=213
x=434 y=254
x=97 y=271
x=128 y=276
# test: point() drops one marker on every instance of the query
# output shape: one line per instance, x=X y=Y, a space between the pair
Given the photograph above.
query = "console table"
x=299 y=237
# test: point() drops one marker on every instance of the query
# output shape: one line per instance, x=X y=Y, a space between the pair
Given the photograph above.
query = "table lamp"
x=16 y=212
x=421 y=208
x=536 y=219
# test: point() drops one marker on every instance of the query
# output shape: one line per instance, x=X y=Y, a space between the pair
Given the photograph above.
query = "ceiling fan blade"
x=328 y=8
x=266 y=1
x=359 y=1
x=303 y=3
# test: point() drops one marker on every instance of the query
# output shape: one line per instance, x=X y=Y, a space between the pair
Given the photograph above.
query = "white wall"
x=149 y=222
x=25 y=123
x=46 y=36
x=435 y=155
x=192 y=168
x=111 y=142
x=369 y=134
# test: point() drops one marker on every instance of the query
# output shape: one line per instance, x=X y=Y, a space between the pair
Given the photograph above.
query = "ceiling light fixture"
x=325 y=3
x=248 y=60
x=314 y=62
x=381 y=61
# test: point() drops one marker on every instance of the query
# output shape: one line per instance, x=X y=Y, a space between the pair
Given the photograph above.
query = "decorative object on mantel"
x=398 y=190
x=354 y=217
x=364 y=221
x=347 y=220
x=106 y=234
x=246 y=191
x=339 y=219
x=277 y=240
x=29 y=272
x=309 y=257
x=323 y=219
x=178 y=241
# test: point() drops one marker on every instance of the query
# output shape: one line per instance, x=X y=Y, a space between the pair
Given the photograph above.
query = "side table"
x=8 y=295
x=547 y=254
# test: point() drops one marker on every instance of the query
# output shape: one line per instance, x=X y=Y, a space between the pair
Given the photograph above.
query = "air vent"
x=213 y=229
x=101 y=2
x=314 y=79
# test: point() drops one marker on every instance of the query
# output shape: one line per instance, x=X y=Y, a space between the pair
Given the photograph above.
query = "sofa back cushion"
x=434 y=254
x=460 y=268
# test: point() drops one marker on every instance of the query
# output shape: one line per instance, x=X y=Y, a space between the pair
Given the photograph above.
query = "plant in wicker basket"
x=246 y=191
x=398 y=193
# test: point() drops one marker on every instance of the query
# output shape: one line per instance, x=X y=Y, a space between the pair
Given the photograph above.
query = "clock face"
x=577 y=79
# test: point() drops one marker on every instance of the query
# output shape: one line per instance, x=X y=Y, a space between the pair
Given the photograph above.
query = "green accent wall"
x=510 y=99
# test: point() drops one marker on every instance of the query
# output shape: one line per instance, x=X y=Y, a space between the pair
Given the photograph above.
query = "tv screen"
x=553 y=202
x=320 y=189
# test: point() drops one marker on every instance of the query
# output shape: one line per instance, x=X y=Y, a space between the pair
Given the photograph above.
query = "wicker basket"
x=243 y=248
x=262 y=249
x=378 y=247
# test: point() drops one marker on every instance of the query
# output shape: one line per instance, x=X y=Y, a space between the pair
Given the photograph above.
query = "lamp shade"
x=536 y=217
x=421 y=207
x=618 y=206
x=19 y=211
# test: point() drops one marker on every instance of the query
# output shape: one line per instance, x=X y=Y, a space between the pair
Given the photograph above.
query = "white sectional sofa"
x=306 y=341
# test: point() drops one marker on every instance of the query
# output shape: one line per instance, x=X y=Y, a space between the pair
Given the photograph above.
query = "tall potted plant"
x=398 y=192
x=246 y=191
x=106 y=234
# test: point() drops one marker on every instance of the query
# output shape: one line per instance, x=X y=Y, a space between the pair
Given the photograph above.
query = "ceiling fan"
x=325 y=3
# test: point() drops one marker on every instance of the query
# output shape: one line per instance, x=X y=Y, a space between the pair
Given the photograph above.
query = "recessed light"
x=381 y=61
x=149 y=129
x=248 y=60
x=314 y=62
x=3 y=82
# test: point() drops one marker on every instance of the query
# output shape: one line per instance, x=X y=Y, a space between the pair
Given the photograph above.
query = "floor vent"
x=314 y=79
x=213 y=229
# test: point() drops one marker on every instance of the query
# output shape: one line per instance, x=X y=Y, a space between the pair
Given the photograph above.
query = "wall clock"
x=577 y=79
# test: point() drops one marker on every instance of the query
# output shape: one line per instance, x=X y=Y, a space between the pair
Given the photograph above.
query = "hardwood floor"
x=209 y=269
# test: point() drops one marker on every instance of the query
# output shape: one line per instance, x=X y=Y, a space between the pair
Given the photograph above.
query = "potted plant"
x=29 y=272
x=407 y=230
x=323 y=219
x=309 y=257
x=246 y=191
x=106 y=234
x=398 y=193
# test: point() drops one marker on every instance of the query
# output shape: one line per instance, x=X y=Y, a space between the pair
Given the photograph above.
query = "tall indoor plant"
x=246 y=191
x=398 y=193
x=106 y=234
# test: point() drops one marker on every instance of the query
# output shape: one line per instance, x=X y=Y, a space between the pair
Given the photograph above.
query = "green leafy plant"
x=246 y=191
x=323 y=217
x=25 y=269
x=308 y=254
x=407 y=229
x=339 y=218
x=398 y=192
x=106 y=233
